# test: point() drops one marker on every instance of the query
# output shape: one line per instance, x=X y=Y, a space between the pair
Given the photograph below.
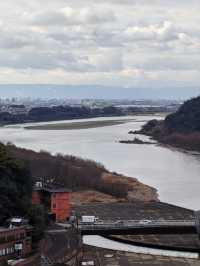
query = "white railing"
x=136 y=224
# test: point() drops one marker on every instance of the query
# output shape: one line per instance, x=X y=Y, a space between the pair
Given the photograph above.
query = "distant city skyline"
x=112 y=43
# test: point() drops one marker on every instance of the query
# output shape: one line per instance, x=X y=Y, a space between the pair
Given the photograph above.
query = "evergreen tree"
x=15 y=186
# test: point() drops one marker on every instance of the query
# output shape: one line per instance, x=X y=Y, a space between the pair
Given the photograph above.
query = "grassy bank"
x=78 y=125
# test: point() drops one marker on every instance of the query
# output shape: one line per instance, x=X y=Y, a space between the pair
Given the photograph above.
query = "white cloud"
x=101 y=42
x=71 y=16
x=165 y=32
x=107 y=60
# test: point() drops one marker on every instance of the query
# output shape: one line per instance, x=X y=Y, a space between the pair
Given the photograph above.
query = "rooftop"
x=52 y=189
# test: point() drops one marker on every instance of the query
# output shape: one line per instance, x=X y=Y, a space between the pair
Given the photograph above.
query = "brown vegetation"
x=91 y=196
x=83 y=175
x=73 y=172
x=135 y=190
x=189 y=141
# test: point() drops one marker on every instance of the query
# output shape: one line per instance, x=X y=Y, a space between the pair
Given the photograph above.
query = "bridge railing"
x=136 y=223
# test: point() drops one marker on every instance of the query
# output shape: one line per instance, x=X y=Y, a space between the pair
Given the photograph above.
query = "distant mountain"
x=180 y=129
x=96 y=92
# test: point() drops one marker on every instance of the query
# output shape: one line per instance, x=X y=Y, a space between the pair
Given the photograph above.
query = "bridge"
x=54 y=249
x=134 y=227
x=138 y=227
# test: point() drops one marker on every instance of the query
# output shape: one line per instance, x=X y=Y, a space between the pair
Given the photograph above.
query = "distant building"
x=54 y=198
x=17 y=109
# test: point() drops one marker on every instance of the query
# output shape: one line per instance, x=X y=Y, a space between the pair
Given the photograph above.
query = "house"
x=55 y=198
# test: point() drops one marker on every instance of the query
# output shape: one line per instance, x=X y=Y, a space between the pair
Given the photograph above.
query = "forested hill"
x=186 y=119
x=20 y=168
x=180 y=129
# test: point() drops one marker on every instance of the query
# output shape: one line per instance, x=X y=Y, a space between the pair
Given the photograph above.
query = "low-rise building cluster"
x=15 y=240
x=16 y=236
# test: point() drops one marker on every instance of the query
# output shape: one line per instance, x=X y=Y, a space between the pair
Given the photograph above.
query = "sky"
x=128 y=43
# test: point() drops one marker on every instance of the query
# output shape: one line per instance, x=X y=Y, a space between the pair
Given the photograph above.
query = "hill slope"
x=180 y=129
x=82 y=175
x=187 y=119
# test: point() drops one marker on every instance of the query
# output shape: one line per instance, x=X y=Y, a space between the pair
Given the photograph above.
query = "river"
x=174 y=173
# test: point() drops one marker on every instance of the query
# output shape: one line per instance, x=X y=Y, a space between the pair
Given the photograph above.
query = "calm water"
x=175 y=174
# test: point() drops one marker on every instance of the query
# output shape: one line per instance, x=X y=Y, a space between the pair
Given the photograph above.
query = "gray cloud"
x=44 y=60
x=165 y=32
x=104 y=41
x=71 y=16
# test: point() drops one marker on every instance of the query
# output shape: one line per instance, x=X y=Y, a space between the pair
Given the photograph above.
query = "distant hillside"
x=186 y=119
x=180 y=129
x=56 y=113
x=60 y=112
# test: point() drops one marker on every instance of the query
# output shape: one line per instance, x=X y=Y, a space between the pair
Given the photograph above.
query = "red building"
x=15 y=242
x=55 y=199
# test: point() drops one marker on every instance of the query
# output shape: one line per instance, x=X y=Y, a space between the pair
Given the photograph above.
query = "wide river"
x=174 y=173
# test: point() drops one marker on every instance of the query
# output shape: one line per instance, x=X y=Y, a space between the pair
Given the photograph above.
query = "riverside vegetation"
x=180 y=129
x=19 y=168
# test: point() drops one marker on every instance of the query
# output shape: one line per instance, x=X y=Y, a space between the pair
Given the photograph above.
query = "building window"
x=6 y=251
x=54 y=206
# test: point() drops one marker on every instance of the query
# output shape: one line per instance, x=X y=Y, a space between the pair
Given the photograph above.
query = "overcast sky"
x=108 y=42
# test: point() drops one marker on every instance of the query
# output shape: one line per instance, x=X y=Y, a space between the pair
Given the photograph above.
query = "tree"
x=38 y=218
x=15 y=186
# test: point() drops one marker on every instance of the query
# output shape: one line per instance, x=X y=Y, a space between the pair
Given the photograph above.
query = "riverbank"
x=135 y=191
x=81 y=176
x=136 y=141
x=180 y=129
x=78 y=125
x=150 y=164
x=158 y=131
